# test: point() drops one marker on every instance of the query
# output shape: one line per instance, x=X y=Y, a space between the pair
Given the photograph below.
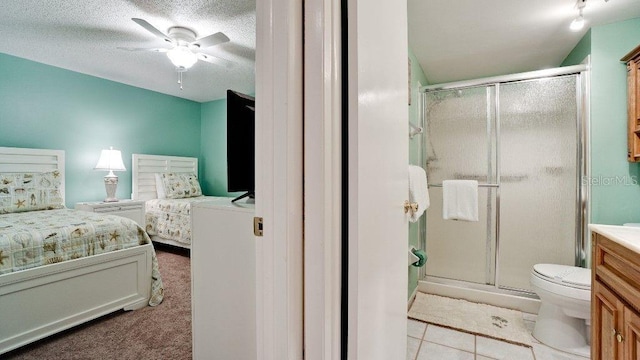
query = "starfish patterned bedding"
x=171 y=218
x=37 y=238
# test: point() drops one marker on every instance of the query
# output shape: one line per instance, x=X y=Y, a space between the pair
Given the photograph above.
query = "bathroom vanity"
x=615 y=298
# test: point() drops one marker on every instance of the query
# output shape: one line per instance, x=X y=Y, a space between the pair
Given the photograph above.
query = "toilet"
x=564 y=318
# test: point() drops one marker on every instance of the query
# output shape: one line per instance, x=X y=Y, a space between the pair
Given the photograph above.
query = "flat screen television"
x=241 y=140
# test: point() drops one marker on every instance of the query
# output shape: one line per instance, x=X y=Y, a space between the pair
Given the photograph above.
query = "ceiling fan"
x=184 y=50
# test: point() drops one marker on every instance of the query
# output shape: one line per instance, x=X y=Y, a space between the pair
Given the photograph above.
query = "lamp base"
x=111 y=184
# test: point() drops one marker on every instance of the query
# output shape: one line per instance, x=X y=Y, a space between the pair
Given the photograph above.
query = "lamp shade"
x=110 y=160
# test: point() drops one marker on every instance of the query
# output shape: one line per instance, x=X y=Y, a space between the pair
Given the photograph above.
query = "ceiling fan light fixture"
x=182 y=57
x=577 y=24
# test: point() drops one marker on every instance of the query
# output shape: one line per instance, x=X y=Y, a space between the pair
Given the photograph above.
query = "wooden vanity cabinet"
x=632 y=331
x=632 y=60
x=615 y=301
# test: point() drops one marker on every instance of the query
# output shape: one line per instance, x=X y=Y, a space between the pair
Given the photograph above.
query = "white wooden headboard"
x=23 y=160
x=143 y=181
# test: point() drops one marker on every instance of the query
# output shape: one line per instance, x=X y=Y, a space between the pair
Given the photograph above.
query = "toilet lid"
x=572 y=276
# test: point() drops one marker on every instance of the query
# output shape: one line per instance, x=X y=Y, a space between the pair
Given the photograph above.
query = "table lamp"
x=110 y=160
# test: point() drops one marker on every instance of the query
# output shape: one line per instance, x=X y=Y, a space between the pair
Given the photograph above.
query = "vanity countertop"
x=626 y=236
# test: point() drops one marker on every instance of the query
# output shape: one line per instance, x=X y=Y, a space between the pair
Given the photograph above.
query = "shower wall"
x=416 y=230
x=520 y=141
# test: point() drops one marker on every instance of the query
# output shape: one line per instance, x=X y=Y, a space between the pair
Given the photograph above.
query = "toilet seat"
x=569 y=281
x=572 y=276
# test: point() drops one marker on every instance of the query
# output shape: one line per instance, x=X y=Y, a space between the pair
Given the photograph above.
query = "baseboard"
x=412 y=298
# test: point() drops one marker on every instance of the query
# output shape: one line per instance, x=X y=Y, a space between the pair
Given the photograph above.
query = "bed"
x=44 y=288
x=168 y=218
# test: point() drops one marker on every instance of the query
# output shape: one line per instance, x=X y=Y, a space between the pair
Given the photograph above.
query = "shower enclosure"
x=522 y=137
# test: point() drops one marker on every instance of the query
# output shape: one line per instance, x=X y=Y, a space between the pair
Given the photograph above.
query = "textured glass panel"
x=457 y=249
x=459 y=147
x=538 y=174
x=457 y=135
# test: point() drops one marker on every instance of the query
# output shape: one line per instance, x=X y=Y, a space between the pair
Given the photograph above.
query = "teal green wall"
x=617 y=203
x=580 y=52
x=415 y=146
x=615 y=193
x=213 y=155
x=46 y=107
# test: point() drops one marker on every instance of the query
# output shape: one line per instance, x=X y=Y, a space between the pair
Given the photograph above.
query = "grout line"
x=418 y=351
x=475 y=346
x=450 y=347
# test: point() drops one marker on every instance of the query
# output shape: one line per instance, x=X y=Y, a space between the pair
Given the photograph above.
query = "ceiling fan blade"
x=150 y=28
x=161 y=50
x=215 y=60
x=211 y=40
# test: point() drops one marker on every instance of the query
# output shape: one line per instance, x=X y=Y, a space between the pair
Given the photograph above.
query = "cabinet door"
x=634 y=97
x=631 y=334
x=606 y=322
x=223 y=283
x=633 y=109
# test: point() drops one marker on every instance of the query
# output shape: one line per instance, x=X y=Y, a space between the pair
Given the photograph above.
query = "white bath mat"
x=479 y=319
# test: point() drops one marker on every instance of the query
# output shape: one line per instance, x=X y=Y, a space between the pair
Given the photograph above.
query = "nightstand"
x=132 y=209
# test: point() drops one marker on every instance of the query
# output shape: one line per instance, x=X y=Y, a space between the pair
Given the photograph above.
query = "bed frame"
x=143 y=181
x=42 y=301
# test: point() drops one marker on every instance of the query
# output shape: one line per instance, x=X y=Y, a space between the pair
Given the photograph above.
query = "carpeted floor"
x=478 y=319
x=161 y=332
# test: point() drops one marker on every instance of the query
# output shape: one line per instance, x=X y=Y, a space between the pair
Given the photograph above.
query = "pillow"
x=160 y=187
x=21 y=192
x=178 y=185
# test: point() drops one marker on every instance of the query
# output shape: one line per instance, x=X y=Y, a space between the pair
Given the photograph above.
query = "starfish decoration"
x=20 y=203
x=56 y=174
x=114 y=236
x=2 y=257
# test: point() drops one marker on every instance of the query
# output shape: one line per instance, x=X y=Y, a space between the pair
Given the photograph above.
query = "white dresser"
x=223 y=280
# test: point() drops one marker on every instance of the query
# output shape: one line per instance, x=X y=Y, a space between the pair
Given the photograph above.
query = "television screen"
x=241 y=143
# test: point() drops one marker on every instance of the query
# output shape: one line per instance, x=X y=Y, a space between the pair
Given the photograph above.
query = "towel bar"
x=479 y=185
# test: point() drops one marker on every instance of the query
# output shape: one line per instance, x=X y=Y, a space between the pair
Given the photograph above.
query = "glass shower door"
x=460 y=138
x=538 y=178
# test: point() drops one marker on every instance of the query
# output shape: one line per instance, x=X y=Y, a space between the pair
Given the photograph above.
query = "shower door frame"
x=582 y=240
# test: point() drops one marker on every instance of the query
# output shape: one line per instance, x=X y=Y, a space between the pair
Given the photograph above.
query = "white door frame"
x=279 y=316
x=279 y=181
x=322 y=179
x=378 y=153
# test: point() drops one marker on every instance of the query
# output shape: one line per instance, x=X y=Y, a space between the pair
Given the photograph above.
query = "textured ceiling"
x=452 y=39
x=84 y=36
x=469 y=39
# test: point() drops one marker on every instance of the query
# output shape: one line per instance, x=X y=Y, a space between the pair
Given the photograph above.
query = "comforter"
x=37 y=238
x=171 y=218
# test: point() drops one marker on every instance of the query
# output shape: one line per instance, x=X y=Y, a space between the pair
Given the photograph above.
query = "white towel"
x=460 y=200
x=418 y=192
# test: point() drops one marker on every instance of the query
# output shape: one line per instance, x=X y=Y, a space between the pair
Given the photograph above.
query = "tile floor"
x=431 y=342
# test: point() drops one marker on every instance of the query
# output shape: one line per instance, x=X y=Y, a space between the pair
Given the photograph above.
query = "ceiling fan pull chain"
x=180 y=79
